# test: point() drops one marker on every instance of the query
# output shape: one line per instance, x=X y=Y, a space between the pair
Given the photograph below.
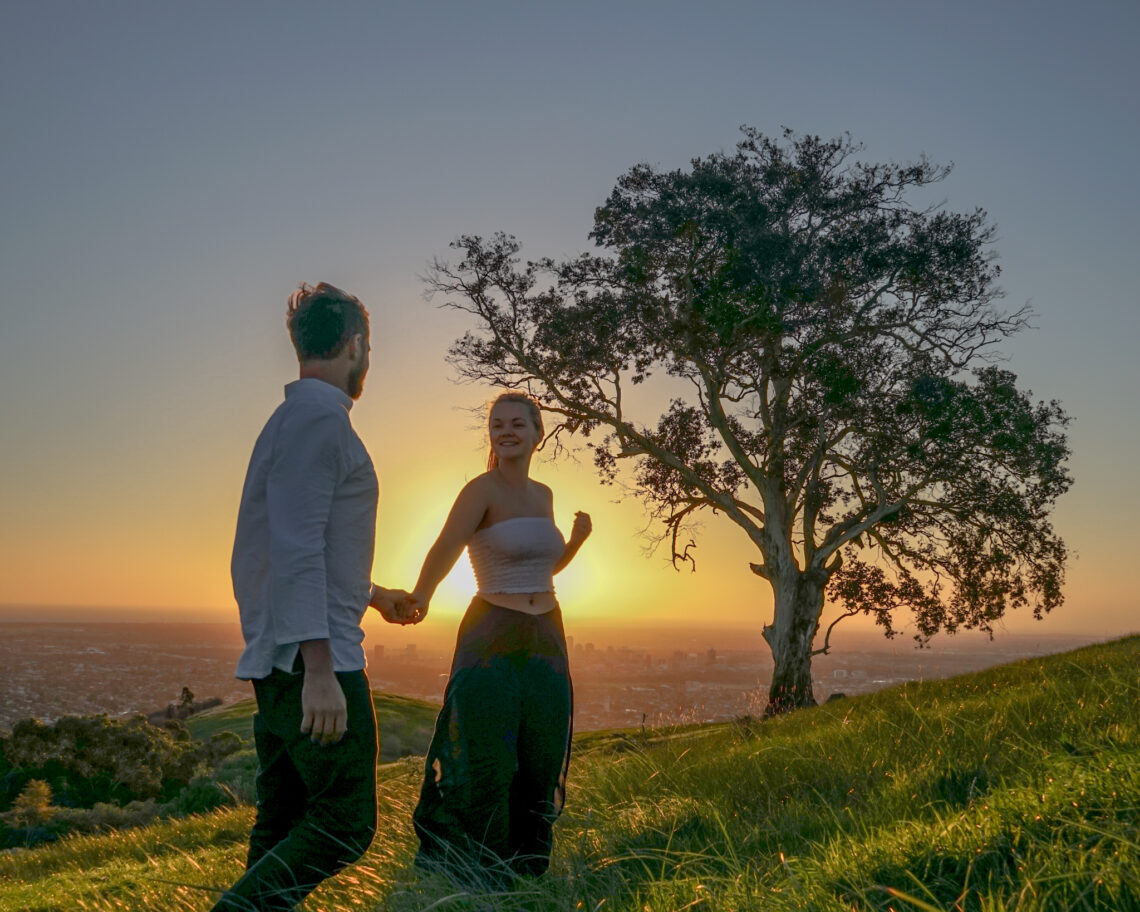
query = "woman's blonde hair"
x=532 y=409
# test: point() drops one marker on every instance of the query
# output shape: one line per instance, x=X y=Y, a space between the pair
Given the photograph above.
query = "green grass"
x=406 y=723
x=1017 y=788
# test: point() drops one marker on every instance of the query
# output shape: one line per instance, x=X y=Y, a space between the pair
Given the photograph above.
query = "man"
x=301 y=570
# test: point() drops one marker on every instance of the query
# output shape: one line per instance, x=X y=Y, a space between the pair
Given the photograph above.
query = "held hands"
x=388 y=602
x=397 y=606
x=413 y=608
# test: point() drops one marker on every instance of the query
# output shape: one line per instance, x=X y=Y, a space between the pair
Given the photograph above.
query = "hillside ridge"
x=1014 y=788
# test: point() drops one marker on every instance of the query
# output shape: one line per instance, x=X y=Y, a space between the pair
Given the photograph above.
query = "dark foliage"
x=91 y=759
x=844 y=406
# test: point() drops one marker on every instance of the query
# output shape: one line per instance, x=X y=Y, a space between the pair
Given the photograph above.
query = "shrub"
x=238 y=773
x=200 y=796
x=91 y=759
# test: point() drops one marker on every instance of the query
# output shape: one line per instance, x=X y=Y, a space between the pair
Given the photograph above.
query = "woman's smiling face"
x=512 y=431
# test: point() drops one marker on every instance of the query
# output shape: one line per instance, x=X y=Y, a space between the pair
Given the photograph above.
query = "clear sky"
x=170 y=172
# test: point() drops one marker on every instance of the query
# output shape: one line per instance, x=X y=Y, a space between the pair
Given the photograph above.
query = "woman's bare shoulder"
x=481 y=486
x=544 y=492
x=470 y=508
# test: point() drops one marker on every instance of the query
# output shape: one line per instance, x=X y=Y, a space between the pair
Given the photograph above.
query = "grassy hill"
x=1017 y=788
x=406 y=724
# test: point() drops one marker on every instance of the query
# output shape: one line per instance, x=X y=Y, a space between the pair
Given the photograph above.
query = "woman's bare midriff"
x=526 y=602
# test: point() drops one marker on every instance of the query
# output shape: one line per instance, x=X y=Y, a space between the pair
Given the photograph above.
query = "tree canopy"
x=846 y=404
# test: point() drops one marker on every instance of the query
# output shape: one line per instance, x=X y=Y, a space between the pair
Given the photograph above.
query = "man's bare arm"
x=324 y=713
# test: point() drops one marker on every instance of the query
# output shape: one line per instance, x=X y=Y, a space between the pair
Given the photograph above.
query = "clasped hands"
x=398 y=606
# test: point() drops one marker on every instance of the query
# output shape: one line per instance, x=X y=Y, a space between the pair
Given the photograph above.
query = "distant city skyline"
x=172 y=172
x=52 y=670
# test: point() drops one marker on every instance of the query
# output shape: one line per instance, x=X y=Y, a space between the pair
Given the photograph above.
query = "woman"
x=496 y=769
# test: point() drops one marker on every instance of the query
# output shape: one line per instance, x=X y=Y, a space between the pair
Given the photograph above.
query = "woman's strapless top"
x=516 y=555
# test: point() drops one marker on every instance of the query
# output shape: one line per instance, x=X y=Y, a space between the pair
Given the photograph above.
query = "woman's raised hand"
x=581 y=529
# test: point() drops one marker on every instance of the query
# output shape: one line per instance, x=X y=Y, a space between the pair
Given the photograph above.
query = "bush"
x=32 y=806
x=221 y=745
x=200 y=796
x=238 y=773
x=91 y=759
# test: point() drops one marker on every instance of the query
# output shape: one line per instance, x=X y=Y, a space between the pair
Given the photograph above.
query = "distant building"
x=378 y=653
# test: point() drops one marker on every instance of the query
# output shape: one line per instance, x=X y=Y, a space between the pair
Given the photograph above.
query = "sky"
x=170 y=172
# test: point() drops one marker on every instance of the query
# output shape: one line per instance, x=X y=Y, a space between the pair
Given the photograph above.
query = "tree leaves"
x=838 y=347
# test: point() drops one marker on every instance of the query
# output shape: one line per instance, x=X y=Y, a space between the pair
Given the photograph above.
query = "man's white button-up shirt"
x=302 y=560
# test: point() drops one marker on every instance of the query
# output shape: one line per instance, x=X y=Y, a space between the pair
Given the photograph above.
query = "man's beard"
x=354 y=383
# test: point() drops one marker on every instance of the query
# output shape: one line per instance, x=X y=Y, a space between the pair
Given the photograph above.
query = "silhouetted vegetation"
x=827 y=348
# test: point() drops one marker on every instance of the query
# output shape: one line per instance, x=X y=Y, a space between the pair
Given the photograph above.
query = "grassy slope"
x=406 y=724
x=1017 y=788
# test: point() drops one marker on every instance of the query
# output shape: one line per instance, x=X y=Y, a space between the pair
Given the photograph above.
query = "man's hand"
x=324 y=712
x=388 y=602
x=390 y=611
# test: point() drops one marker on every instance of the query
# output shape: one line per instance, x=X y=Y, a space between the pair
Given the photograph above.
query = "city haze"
x=623 y=677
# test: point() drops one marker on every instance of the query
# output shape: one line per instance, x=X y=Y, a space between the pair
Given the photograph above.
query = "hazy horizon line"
x=62 y=613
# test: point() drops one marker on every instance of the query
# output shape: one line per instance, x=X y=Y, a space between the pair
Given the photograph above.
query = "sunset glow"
x=147 y=266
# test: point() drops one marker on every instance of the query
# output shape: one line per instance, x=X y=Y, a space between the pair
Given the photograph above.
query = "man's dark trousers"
x=316 y=804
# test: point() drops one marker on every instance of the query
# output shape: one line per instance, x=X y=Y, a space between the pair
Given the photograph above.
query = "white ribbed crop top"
x=516 y=555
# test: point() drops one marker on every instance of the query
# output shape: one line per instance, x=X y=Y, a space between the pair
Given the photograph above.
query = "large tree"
x=841 y=400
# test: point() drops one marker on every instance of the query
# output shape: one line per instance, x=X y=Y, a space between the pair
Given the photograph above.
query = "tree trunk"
x=799 y=602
